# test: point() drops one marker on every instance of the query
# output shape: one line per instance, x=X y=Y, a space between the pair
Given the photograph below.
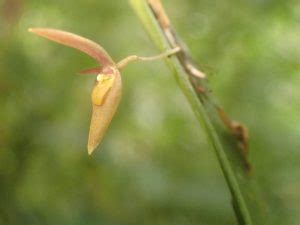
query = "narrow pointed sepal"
x=75 y=41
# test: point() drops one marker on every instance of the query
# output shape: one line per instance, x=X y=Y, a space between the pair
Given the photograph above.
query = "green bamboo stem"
x=247 y=200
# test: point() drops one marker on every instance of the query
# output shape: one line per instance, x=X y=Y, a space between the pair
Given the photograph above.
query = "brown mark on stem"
x=241 y=134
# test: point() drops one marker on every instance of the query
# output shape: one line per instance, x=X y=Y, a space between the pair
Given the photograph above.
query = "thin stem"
x=133 y=58
x=248 y=202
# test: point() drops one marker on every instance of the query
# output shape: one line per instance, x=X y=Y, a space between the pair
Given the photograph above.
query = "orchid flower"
x=107 y=90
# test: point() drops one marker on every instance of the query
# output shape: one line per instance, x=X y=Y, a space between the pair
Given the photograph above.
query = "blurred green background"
x=154 y=165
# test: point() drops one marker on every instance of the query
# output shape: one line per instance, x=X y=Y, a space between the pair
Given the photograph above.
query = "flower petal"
x=102 y=114
x=96 y=70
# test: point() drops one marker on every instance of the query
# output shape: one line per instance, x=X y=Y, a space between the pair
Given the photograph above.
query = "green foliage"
x=148 y=169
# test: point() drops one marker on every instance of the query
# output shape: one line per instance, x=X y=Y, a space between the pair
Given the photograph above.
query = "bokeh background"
x=154 y=165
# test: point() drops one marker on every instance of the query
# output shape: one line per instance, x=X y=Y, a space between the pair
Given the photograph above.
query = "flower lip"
x=103 y=77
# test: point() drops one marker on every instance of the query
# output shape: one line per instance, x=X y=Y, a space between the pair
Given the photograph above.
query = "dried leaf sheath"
x=106 y=94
